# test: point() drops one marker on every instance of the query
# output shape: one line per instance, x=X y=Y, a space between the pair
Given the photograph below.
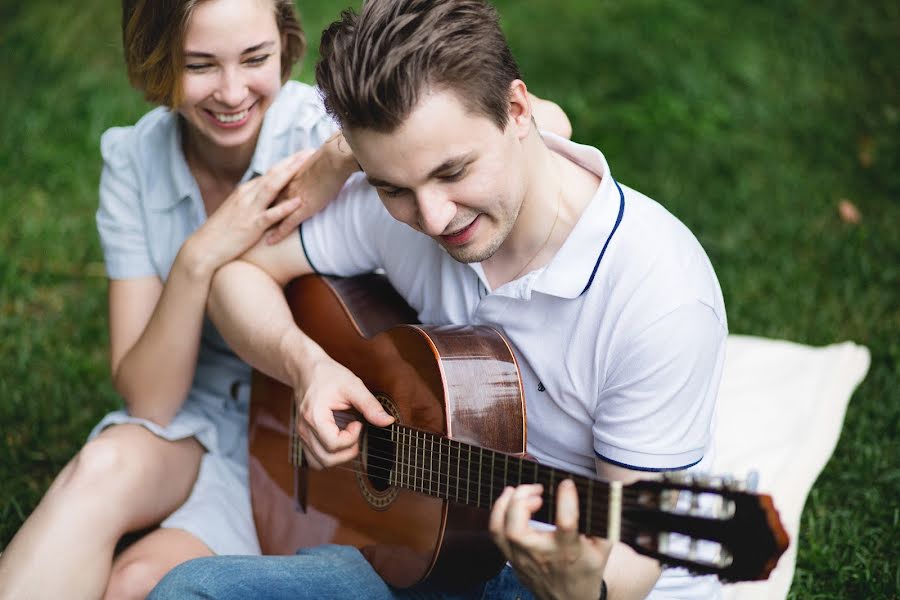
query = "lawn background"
x=749 y=121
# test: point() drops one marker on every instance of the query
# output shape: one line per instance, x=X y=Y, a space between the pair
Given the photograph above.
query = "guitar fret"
x=493 y=456
x=458 y=459
x=430 y=461
x=480 y=462
x=589 y=501
x=407 y=450
x=468 y=474
x=390 y=476
x=505 y=469
x=414 y=467
x=445 y=493
x=412 y=459
x=551 y=505
x=418 y=477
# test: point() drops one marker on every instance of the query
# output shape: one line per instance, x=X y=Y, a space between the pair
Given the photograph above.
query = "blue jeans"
x=321 y=573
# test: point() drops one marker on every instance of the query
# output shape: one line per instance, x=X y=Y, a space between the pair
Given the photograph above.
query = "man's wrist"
x=298 y=353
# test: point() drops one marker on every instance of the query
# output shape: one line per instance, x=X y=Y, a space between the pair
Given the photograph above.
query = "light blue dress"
x=149 y=205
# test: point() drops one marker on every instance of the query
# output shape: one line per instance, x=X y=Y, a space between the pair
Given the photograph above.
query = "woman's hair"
x=375 y=64
x=153 y=40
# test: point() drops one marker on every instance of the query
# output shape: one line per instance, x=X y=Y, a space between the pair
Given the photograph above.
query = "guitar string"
x=598 y=500
x=599 y=506
x=417 y=472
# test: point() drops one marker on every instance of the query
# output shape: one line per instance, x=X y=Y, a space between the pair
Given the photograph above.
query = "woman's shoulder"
x=150 y=133
x=298 y=106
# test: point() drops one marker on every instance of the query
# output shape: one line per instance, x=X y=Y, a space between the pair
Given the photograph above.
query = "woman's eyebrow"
x=251 y=49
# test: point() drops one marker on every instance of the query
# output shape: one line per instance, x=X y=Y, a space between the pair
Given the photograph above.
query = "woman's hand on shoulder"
x=316 y=183
x=243 y=218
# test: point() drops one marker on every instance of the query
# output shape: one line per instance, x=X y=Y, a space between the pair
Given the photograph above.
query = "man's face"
x=449 y=173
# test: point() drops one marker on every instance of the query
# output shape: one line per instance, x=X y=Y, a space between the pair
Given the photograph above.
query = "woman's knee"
x=105 y=464
x=134 y=579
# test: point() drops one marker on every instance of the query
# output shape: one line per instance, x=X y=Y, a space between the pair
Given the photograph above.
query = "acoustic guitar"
x=416 y=501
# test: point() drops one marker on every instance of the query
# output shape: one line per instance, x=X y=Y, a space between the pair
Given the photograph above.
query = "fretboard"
x=430 y=464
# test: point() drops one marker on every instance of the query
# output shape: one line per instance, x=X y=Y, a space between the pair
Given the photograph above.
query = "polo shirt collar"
x=571 y=271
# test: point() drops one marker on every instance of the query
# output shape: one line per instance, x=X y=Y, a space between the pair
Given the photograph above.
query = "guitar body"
x=459 y=382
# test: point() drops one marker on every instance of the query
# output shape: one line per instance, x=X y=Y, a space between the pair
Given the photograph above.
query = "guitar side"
x=460 y=382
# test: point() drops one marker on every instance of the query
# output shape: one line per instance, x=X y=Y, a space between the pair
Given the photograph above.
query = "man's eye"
x=392 y=192
x=456 y=176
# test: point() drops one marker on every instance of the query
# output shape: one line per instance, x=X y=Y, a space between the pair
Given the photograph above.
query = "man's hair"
x=153 y=40
x=374 y=65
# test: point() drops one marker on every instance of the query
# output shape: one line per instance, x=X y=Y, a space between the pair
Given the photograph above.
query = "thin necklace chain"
x=552 y=227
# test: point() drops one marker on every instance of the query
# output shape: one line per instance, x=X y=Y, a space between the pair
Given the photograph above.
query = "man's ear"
x=519 y=108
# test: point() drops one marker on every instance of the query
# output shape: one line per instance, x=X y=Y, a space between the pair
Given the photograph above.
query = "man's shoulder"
x=656 y=264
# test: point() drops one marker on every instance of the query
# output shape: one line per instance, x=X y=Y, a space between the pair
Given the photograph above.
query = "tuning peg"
x=752 y=481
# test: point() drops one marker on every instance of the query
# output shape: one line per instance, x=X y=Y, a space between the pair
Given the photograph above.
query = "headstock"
x=710 y=525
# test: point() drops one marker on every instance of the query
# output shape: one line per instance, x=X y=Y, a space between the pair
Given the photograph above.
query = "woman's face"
x=232 y=72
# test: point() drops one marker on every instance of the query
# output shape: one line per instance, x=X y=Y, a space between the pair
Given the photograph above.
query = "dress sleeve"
x=120 y=220
x=656 y=407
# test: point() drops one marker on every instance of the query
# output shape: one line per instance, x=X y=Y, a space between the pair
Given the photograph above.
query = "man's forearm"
x=250 y=311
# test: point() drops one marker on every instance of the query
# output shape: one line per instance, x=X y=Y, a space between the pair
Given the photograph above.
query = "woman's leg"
x=125 y=479
x=140 y=567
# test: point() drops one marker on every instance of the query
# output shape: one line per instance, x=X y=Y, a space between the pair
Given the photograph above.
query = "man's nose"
x=436 y=211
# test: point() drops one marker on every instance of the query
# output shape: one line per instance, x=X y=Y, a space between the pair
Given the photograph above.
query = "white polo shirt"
x=620 y=339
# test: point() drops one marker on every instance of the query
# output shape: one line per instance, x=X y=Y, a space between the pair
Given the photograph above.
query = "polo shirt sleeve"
x=120 y=221
x=656 y=408
x=345 y=238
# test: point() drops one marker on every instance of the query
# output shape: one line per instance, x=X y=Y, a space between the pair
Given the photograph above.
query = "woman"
x=179 y=197
x=178 y=456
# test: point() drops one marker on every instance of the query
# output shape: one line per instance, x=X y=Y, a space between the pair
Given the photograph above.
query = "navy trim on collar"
x=611 y=233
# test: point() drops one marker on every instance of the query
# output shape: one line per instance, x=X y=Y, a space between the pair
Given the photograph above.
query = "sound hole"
x=380 y=453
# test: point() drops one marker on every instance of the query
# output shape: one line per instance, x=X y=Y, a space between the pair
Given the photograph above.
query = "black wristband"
x=602 y=589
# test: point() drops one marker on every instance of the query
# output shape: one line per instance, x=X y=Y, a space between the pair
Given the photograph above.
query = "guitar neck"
x=430 y=464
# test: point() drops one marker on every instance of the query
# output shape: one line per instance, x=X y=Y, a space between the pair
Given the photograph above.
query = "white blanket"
x=780 y=411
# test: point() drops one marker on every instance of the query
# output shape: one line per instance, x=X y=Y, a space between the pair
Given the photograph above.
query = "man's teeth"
x=232 y=118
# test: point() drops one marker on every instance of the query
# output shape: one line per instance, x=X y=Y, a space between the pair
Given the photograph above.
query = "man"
x=612 y=307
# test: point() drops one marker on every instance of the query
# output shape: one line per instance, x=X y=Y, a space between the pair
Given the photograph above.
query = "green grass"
x=750 y=121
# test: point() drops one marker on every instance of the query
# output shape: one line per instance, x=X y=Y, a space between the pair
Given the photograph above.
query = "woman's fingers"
x=269 y=185
x=278 y=212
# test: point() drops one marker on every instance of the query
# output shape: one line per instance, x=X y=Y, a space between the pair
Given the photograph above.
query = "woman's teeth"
x=232 y=118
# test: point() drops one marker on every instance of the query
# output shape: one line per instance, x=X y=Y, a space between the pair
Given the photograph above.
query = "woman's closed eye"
x=258 y=60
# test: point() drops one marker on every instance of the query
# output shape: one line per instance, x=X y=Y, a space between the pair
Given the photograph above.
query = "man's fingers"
x=327 y=450
x=497 y=521
x=524 y=502
x=567 y=513
x=370 y=408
